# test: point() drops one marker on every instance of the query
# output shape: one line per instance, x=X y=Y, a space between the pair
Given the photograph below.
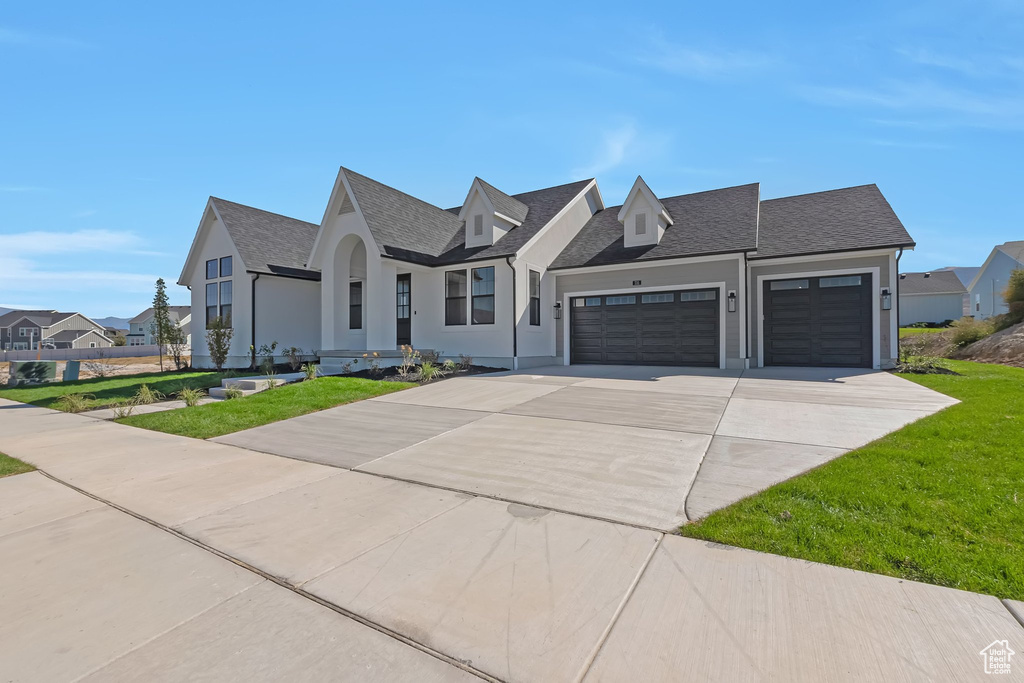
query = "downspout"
x=515 y=327
x=252 y=319
x=747 y=322
x=896 y=308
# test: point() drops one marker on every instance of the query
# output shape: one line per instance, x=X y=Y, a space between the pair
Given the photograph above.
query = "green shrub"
x=449 y=366
x=145 y=395
x=968 y=330
x=73 y=403
x=190 y=395
x=232 y=392
x=429 y=371
x=124 y=408
x=309 y=370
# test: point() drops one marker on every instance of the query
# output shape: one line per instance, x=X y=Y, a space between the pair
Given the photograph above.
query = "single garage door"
x=819 y=321
x=656 y=328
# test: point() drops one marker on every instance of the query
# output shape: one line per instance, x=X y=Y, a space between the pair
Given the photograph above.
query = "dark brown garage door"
x=656 y=328
x=819 y=321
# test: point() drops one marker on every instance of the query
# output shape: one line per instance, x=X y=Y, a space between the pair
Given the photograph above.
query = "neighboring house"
x=140 y=332
x=986 y=289
x=718 y=278
x=931 y=297
x=24 y=330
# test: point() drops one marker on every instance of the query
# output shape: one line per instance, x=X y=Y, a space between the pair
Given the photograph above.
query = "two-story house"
x=140 y=328
x=25 y=330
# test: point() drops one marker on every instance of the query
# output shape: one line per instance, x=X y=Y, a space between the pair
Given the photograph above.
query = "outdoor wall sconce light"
x=558 y=310
x=886 y=299
x=732 y=300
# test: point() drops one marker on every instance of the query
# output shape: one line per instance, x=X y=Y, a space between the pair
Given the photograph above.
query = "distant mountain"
x=116 y=323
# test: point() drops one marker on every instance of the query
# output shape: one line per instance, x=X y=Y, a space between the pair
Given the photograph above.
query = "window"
x=92 y=345
x=355 y=305
x=698 y=296
x=455 y=297
x=620 y=300
x=663 y=298
x=478 y=225
x=211 y=269
x=641 y=223
x=589 y=301
x=846 y=281
x=225 y=302
x=211 y=302
x=789 y=284
x=225 y=267
x=483 y=295
x=26 y=331
x=534 y=297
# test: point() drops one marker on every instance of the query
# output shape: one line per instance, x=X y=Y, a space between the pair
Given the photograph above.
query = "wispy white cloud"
x=956 y=106
x=909 y=144
x=39 y=242
x=21 y=188
x=622 y=144
x=9 y=36
x=695 y=62
x=22 y=275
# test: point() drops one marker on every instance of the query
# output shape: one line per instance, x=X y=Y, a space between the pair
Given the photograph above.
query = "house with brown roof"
x=721 y=278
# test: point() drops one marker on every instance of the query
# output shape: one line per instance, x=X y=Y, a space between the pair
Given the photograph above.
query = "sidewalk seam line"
x=603 y=638
x=285 y=584
x=1013 y=612
x=703 y=457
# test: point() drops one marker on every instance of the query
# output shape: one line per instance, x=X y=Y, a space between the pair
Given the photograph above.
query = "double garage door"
x=654 y=328
x=819 y=321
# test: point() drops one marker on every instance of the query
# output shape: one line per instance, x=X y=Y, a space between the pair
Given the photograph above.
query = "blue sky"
x=117 y=122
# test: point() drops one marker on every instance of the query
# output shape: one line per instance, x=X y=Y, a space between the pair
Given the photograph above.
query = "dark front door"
x=654 y=328
x=819 y=321
x=403 y=308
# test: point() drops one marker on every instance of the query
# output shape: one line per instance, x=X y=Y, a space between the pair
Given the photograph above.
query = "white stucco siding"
x=723 y=273
x=930 y=308
x=213 y=242
x=490 y=341
x=885 y=265
x=986 y=292
x=288 y=312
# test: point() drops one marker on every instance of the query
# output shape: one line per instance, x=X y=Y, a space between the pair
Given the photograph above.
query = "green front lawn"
x=290 y=400
x=111 y=390
x=911 y=331
x=9 y=466
x=941 y=500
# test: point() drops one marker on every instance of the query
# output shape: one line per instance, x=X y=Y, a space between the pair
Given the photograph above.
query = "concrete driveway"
x=179 y=559
x=652 y=447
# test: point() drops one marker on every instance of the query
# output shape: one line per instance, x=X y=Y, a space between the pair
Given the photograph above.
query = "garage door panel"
x=664 y=331
x=818 y=326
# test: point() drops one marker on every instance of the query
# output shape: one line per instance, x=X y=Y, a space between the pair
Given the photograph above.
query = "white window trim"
x=876 y=342
x=720 y=286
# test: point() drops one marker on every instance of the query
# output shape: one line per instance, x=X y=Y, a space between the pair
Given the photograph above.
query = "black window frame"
x=534 y=292
x=355 y=308
x=225 y=272
x=455 y=304
x=216 y=271
x=225 y=308
x=212 y=310
x=482 y=316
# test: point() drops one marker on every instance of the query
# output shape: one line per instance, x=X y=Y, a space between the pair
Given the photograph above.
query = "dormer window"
x=643 y=217
x=489 y=214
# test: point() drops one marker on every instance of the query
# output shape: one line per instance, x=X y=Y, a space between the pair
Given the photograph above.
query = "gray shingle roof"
x=176 y=313
x=937 y=282
x=837 y=220
x=411 y=229
x=11 y=317
x=1014 y=250
x=69 y=335
x=716 y=221
x=40 y=318
x=503 y=203
x=266 y=239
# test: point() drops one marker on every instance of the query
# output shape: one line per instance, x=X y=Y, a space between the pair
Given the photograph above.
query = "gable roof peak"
x=640 y=187
x=504 y=205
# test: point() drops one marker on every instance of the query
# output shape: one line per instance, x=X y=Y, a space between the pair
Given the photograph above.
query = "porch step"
x=222 y=392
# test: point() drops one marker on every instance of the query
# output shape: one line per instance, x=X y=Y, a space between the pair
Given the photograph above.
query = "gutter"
x=252 y=318
x=515 y=327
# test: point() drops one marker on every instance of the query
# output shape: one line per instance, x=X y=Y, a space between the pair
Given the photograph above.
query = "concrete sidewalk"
x=513 y=592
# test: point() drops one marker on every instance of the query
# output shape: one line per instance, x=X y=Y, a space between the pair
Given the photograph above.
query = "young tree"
x=218 y=341
x=177 y=342
x=161 y=327
x=120 y=339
